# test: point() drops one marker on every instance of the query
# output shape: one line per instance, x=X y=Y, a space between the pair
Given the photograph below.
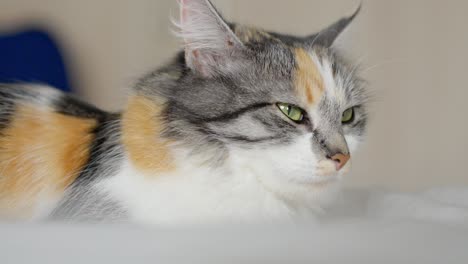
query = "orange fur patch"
x=41 y=154
x=308 y=80
x=141 y=132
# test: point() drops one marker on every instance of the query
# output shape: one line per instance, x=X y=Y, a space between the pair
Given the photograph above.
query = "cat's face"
x=308 y=122
x=287 y=108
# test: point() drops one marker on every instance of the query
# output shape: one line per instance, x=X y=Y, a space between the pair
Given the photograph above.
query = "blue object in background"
x=32 y=56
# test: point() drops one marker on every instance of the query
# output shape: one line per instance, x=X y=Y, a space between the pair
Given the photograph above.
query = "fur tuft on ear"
x=207 y=38
x=327 y=36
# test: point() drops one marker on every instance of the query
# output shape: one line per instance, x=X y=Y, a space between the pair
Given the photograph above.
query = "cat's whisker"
x=381 y=64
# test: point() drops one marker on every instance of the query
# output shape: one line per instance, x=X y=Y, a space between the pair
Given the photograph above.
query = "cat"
x=242 y=125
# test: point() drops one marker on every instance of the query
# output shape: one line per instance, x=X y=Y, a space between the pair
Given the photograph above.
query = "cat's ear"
x=208 y=41
x=327 y=36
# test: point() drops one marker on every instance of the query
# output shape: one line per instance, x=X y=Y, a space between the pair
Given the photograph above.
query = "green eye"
x=292 y=112
x=348 y=116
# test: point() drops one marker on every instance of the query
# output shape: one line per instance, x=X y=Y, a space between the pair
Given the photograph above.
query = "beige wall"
x=413 y=54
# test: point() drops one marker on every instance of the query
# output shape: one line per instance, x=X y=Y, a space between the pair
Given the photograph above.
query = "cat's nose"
x=340 y=160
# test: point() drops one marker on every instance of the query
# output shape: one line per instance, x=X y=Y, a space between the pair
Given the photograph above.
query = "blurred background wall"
x=413 y=53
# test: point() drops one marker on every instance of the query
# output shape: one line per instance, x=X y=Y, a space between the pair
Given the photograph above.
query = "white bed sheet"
x=369 y=227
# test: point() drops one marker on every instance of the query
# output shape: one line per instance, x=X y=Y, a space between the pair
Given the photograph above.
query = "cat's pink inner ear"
x=207 y=38
x=184 y=11
x=197 y=21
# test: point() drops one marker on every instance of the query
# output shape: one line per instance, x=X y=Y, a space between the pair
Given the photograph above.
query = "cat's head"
x=288 y=108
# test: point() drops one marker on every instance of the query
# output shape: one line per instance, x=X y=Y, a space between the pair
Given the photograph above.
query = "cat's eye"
x=293 y=112
x=348 y=116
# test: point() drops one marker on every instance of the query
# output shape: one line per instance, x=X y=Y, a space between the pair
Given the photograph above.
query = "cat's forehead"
x=312 y=70
x=308 y=77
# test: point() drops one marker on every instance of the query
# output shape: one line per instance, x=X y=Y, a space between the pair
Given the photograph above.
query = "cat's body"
x=205 y=138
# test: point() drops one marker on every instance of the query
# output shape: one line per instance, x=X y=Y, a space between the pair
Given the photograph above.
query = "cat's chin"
x=324 y=180
x=319 y=180
x=320 y=176
x=306 y=190
x=314 y=192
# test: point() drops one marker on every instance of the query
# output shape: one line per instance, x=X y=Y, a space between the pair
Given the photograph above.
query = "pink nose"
x=340 y=160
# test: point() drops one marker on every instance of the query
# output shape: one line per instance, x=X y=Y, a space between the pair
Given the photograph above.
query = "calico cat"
x=242 y=125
